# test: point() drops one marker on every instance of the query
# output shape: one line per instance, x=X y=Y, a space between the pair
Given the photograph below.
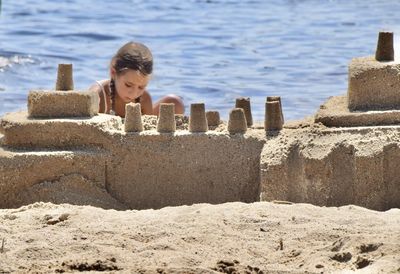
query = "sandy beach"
x=227 y=238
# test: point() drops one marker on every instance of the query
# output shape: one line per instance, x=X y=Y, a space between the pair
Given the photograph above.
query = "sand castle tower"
x=213 y=118
x=244 y=103
x=65 y=79
x=273 y=114
x=373 y=96
x=237 y=121
x=62 y=102
x=133 y=118
x=198 y=120
x=166 y=119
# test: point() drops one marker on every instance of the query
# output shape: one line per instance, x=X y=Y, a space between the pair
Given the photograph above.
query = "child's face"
x=130 y=84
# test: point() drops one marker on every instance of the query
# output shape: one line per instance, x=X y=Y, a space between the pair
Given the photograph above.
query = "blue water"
x=209 y=51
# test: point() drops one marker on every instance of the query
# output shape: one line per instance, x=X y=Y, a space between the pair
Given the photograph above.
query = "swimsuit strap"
x=104 y=96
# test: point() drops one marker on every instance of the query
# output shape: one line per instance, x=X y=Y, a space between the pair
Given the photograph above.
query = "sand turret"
x=133 y=118
x=62 y=102
x=198 y=120
x=384 y=48
x=244 y=103
x=273 y=114
x=374 y=82
x=166 y=119
x=65 y=79
x=277 y=98
x=237 y=121
x=372 y=97
x=213 y=118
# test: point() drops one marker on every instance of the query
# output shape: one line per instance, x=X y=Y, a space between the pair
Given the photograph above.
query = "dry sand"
x=229 y=238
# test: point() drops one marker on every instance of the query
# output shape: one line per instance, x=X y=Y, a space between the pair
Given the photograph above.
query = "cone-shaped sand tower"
x=273 y=114
x=65 y=79
x=244 y=103
x=237 y=121
x=213 y=118
x=198 y=120
x=384 y=48
x=166 y=118
x=133 y=118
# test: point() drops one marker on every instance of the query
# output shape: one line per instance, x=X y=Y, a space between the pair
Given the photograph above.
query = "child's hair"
x=132 y=55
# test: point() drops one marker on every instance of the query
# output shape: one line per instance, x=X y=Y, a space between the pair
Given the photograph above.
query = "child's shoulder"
x=99 y=86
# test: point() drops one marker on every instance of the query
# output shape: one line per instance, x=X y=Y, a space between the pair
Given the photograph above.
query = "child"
x=130 y=72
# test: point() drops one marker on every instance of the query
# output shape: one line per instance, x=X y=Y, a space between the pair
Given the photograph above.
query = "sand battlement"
x=139 y=170
x=94 y=161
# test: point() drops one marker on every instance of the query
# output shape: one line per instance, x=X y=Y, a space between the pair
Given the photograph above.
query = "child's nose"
x=133 y=90
x=133 y=93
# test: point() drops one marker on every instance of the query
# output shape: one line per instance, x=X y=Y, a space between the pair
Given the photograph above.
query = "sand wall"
x=339 y=167
x=93 y=161
x=156 y=170
x=96 y=159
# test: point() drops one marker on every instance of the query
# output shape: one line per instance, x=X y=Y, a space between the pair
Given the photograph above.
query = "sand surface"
x=229 y=238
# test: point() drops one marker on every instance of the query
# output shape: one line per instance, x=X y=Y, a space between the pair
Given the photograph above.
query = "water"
x=205 y=51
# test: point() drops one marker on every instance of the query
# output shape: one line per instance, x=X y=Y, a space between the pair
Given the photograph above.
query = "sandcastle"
x=62 y=150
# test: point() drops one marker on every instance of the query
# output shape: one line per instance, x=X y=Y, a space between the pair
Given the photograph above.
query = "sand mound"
x=227 y=238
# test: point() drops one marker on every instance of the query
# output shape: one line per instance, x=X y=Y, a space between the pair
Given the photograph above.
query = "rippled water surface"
x=206 y=51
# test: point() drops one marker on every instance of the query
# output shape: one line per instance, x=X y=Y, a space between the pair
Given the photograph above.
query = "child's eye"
x=128 y=85
x=140 y=87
